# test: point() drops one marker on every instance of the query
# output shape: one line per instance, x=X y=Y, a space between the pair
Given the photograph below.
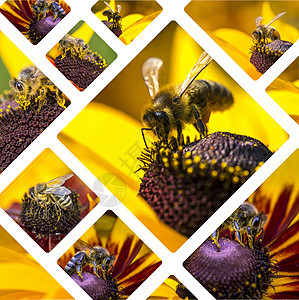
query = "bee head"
x=159 y=121
x=17 y=86
x=258 y=222
x=39 y=187
x=257 y=35
x=109 y=260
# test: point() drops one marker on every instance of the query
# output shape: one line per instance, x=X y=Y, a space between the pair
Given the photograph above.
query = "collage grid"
x=173 y=10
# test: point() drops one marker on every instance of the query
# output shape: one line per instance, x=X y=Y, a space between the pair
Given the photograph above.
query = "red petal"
x=122 y=256
x=18 y=12
x=277 y=216
x=134 y=282
x=27 y=9
x=285 y=235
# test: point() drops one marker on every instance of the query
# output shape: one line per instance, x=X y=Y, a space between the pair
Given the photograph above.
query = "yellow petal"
x=131 y=32
x=287 y=32
x=24 y=277
x=287 y=100
x=84 y=32
x=12 y=57
x=130 y=19
x=239 y=55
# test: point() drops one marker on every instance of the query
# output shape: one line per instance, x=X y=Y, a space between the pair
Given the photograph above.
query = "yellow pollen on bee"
x=231 y=169
x=188 y=154
x=214 y=173
x=188 y=162
x=202 y=166
x=223 y=165
x=175 y=155
x=165 y=160
x=236 y=179
x=190 y=170
x=196 y=159
x=175 y=163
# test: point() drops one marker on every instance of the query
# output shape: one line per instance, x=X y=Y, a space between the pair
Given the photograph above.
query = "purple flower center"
x=39 y=29
x=98 y=288
x=232 y=271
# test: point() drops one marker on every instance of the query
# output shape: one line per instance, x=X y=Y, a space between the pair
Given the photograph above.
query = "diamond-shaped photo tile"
x=254 y=33
x=22 y=277
x=34 y=18
x=126 y=19
x=109 y=261
x=254 y=253
x=47 y=200
x=81 y=56
x=286 y=92
x=167 y=290
x=180 y=182
x=29 y=102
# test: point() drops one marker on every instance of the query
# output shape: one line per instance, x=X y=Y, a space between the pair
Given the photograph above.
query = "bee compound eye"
x=19 y=86
x=117 y=18
x=256 y=222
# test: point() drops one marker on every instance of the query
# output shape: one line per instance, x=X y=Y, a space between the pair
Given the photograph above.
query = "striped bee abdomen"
x=215 y=95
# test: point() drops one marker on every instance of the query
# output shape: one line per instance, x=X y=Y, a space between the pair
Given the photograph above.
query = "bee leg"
x=179 y=130
x=215 y=237
x=199 y=125
x=237 y=227
x=250 y=237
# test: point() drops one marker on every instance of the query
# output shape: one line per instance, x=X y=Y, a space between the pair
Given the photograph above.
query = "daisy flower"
x=133 y=261
x=34 y=20
x=266 y=270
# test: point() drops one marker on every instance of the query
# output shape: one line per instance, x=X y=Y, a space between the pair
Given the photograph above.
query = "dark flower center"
x=264 y=56
x=232 y=271
x=39 y=29
x=47 y=217
x=186 y=185
x=98 y=288
x=19 y=128
x=116 y=29
x=81 y=71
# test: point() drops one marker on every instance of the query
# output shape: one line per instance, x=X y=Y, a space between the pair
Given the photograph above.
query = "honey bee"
x=114 y=19
x=264 y=32
x=189 y=103
x=44 y=6
x=245 y=219
x=31 y=85
x=53 y=192
x=75 y=45
x=97 y=258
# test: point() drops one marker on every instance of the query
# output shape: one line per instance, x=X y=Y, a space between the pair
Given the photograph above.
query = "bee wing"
x=81 y=245
x=150 y=74
x=61 y=190
x=59 y=181
x=275 y=18
x=203 y=61
x=258 y=21
x=118 y=9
